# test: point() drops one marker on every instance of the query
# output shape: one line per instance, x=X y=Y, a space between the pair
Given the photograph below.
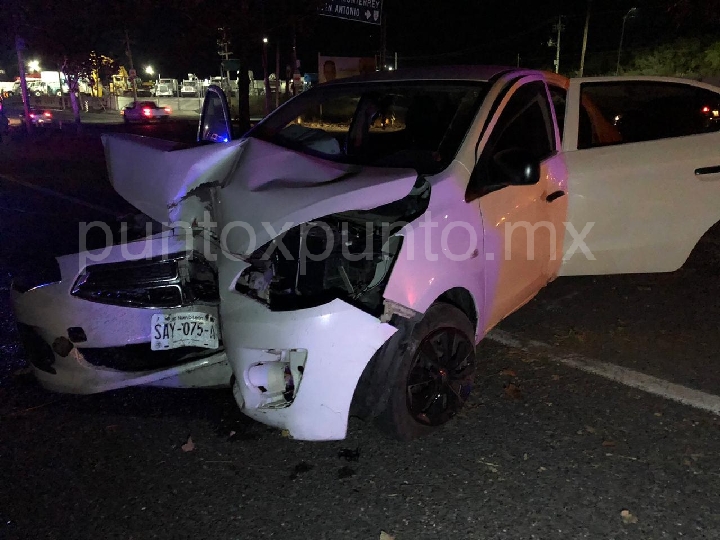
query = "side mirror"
x=215 y=123
x=517 y=166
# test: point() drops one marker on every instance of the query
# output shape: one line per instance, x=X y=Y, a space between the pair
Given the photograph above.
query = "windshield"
x=417 y=124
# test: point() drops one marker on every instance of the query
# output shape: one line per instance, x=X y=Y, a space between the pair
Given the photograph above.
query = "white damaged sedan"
x=141 y=313
x=364 y=237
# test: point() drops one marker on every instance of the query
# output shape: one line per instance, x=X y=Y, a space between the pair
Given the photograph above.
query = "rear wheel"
x=434 y=376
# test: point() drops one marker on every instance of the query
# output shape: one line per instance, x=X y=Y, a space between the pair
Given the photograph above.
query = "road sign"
x=367 y=11
x=132 y=74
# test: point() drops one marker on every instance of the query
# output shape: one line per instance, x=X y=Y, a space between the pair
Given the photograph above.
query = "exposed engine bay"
x=348 y=255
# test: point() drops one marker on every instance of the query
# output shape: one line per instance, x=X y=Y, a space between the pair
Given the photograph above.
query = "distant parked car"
x=39 y=117
x=145 y=111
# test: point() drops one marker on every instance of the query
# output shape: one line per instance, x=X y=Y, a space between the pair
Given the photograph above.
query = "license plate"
x=190 y=329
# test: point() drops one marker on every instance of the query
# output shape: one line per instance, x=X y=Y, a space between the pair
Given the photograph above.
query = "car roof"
x=439 y=73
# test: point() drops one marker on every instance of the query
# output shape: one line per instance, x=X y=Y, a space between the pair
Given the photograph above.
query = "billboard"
x=367 y=11
x=339 y=67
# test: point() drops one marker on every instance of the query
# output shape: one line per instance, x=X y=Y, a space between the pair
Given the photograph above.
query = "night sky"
x=422 y=32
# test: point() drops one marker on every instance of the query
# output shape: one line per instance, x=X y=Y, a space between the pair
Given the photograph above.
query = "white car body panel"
x=519 y=264
x=331 y=372
x=417 y=282
x=50 y=310
x=648 y=207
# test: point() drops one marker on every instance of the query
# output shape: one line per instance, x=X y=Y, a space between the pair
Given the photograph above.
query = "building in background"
x=340 y=67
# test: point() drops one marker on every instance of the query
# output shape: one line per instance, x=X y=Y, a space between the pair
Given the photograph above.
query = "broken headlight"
x=348 y=255
x=161 y=282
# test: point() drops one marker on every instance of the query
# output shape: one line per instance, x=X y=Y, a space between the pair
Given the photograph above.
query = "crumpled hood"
x=257 y=184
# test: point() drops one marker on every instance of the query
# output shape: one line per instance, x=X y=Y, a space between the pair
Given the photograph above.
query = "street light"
x=34 y=65
x=149 y=70
x=629 y=14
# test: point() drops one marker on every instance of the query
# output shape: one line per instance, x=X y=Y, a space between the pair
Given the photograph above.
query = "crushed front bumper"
x=298 y=370
x=81 y=346
x=117 y=351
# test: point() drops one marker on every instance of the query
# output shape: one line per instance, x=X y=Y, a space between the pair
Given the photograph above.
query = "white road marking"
x=53 y=193
x=629 y=377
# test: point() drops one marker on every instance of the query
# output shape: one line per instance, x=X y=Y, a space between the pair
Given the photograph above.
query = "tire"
x=434 y=374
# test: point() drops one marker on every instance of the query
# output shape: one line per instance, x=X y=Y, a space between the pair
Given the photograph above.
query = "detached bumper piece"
x=37 y=352
x=162 y=282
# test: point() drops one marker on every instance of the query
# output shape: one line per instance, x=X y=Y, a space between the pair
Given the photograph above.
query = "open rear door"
x=643 y=157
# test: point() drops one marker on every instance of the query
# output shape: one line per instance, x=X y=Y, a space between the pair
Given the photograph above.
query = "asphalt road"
x=543 y=451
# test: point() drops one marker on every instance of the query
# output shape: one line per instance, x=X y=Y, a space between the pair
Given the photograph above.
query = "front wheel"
x=434 y=376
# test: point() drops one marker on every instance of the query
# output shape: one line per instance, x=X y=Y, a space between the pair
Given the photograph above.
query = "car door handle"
x=554 y=196
x=707 y=170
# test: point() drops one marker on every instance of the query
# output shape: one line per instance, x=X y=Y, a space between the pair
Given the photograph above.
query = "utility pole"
x=265 y=76
x=295 y=67
x=133 y=75
x=277 y=74
x=19 y=48
x=224 y=53
x=622 y=37
x=559 y=27
x=585 y=39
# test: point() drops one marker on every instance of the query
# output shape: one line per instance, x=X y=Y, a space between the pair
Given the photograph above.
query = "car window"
x=415 y=124
x=640 y=111
x=525 y=123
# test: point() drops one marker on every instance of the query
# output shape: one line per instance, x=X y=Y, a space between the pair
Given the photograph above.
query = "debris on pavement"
x=189 y=446
x=513 y=391
x=386 y=536
x=299 y=469
x=508 y=372
x=348 y=454
x=627 y=517
x=609 y=444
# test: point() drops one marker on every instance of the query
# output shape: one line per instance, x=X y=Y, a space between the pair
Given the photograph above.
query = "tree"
x=68 y=33
x=94 y=68
x=686 y=57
